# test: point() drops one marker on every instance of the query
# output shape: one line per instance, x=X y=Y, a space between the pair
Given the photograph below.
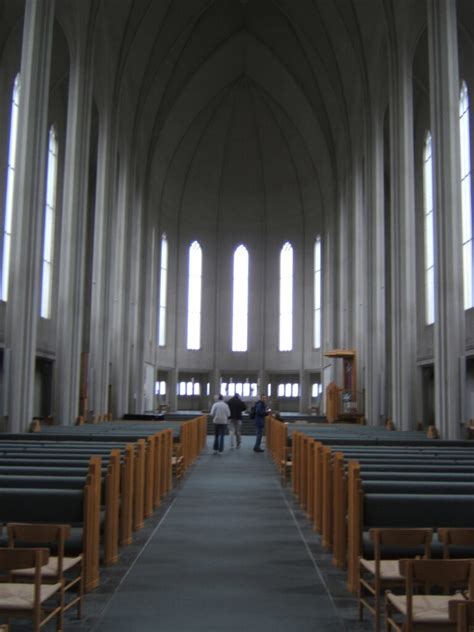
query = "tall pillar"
x=73 y=236
x=449 y=335
x=402 y=203
x=375 y=326
x=304 y=392
x=136 y=307
x=101 y=289
x=120 y=351
x=28 y=201
x=172 y=395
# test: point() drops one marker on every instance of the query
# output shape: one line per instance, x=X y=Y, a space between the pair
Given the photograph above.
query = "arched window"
x=240 y=299
x=429 y=230
x=286 y=298
x=317 y=294
x=49 y=221
x=194 y=296
x=163 y=291
x=466 y=206
x=7 y=223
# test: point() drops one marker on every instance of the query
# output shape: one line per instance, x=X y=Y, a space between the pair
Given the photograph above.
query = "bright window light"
x=286 y=298
x=49 y=222
x=7 y=225
x=429 y=230
x=466 y=205
x=163 y=291
x=240 y=299
x=317 y=293
x=194 y=296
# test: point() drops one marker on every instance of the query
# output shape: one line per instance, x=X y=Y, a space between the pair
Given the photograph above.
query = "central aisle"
x=227 y=556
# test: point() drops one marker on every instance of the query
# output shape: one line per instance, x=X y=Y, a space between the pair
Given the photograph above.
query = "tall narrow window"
x=7 y=224
x=194 y=296
x=465 y=139
x=317 y=293
x=163 y=291
x=49 y=220
x=240 y=299
x=286 y=298
x=429 y=230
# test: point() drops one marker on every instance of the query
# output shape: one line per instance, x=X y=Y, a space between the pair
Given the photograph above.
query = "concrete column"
x=449 y=335
x=101 y=282
x=73 y=236
x=136 y=319
x=172 y=396
x=375 y=326
x=402 y=204
x=28 y=201
x=304 y=392
x=120 y=351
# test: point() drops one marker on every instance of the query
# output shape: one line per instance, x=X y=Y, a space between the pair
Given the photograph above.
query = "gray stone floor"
x=229 y=550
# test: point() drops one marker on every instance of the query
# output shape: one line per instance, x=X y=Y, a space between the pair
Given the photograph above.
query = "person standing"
x=261 y=411
x=220 y=414
x=237 y=407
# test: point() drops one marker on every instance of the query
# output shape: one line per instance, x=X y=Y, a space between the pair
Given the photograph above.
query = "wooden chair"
x=452 y=537
x=28 y=600
x=428 y=612
x=462 y=614
x=379 y=574
x=60 y=568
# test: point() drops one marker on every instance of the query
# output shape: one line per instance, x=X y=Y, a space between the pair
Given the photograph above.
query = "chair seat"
x=426 y=608
x=389 y=569
x=50 y=569
x=14 y=596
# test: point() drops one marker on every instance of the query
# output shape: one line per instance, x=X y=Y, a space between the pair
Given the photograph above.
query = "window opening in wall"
x=288 y=390
x=49 y=222
x=194 y=296
x=240 y=285
x=316 y=389
x=269 y=390
x=163 y=291
x=7 y=225
x=429 y=230
x=317 y=293
x=465 y=146
x=286 y=298
x=160 y=388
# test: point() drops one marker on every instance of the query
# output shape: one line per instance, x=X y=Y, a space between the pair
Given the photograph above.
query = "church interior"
x=256 y=198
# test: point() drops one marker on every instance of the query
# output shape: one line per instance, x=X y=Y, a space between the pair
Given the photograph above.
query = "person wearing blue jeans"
x=260 y=412
x=220 y=414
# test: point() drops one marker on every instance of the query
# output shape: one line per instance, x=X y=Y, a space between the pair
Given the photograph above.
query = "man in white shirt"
x=220 y=414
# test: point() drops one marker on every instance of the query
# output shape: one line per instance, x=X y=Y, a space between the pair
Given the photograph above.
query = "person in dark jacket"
x=261 y=411
x=237 y=407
